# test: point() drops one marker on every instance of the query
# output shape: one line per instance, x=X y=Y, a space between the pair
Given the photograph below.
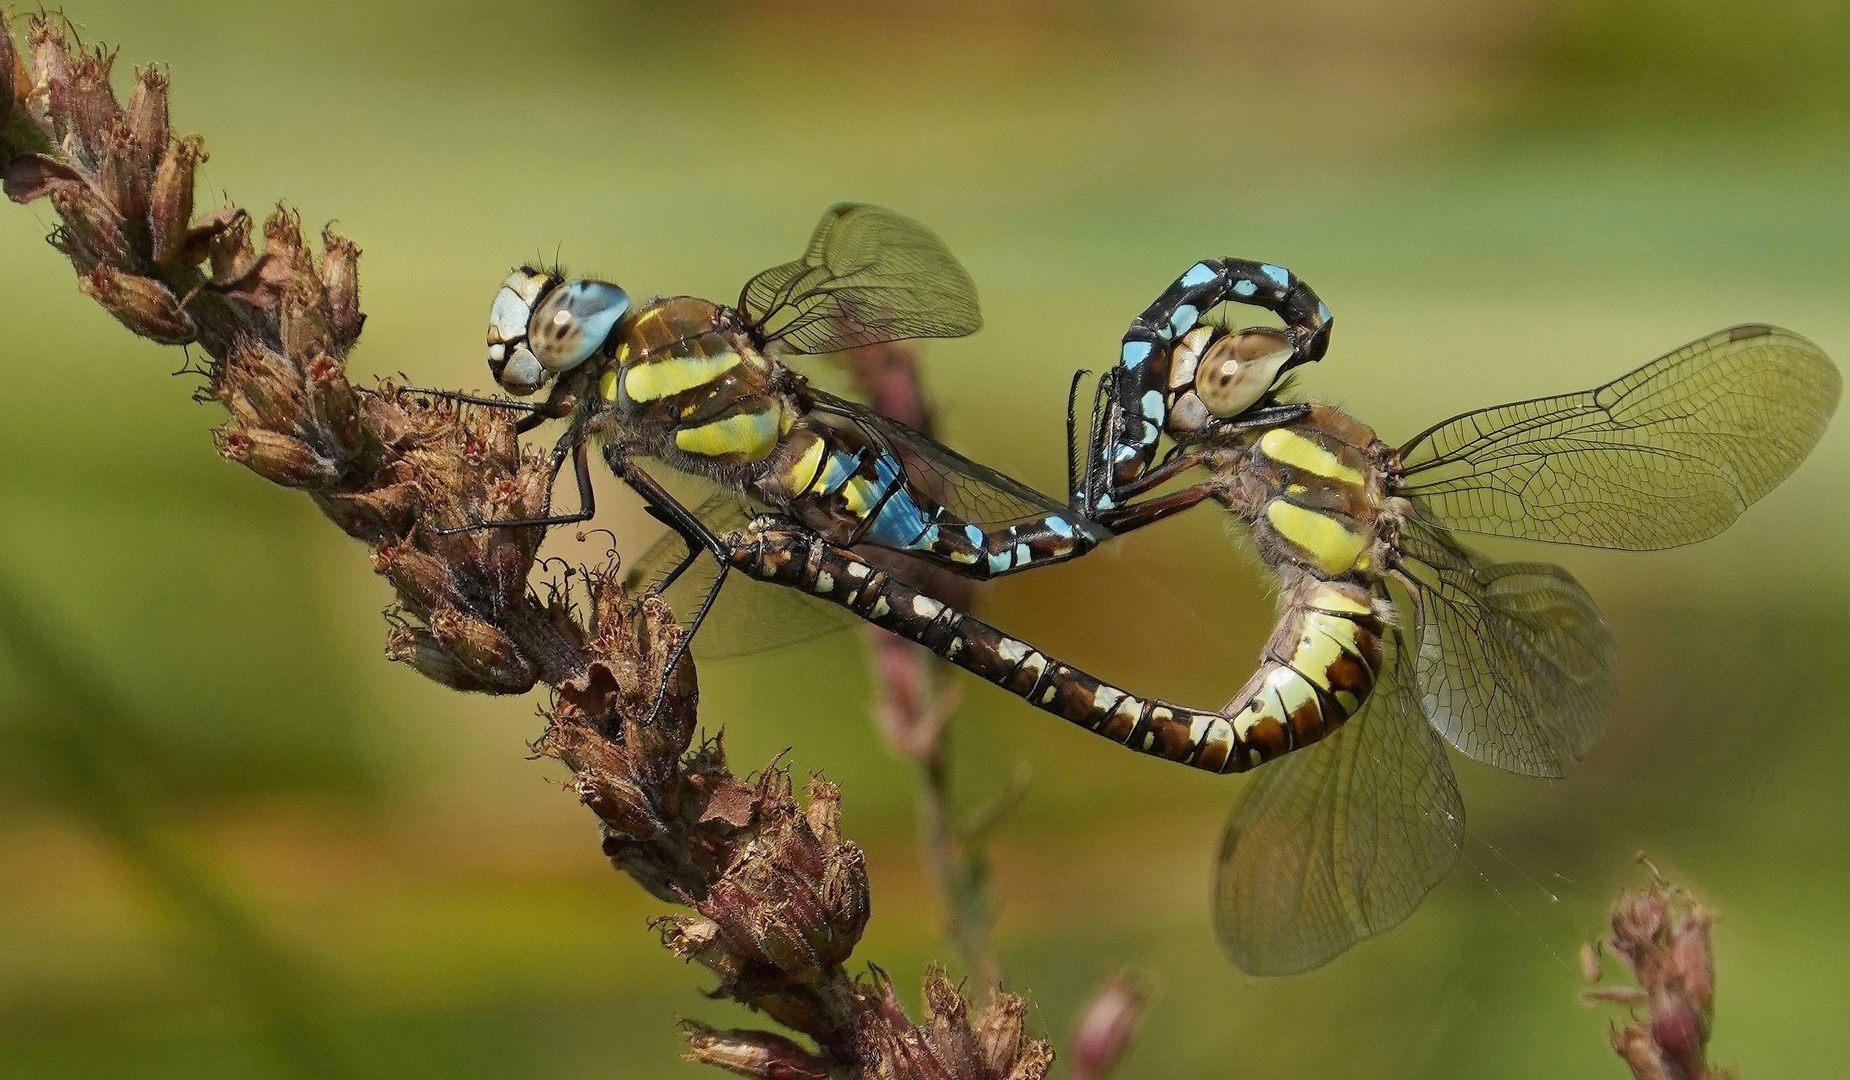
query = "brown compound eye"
x=1237 y=370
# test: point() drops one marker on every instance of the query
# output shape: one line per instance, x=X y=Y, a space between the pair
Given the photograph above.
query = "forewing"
x=749 y=616
x=870 y=275
x=1339 y=841
x=1515 y=663
x=1670 y=454
x=971 y=491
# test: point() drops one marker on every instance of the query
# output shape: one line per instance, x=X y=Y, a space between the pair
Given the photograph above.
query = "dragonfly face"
x=540 y=327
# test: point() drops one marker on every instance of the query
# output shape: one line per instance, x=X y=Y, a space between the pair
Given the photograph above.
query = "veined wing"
x=749 y=616
x=976 y=493
x=1670 y=454
x=1341 y=840
x=1515 y=662
x=870 y=275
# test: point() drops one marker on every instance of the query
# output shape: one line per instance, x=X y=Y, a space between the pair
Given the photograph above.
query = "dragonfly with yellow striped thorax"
x=702 y=388
x=1353 y=813
x=1394 y=637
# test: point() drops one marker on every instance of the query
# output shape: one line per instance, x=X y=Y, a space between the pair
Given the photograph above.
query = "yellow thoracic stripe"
x=657 y=379
x=748 y=436
x=1290 y=448
x=1332 y=546
x=801 y=473
x=1328 y=597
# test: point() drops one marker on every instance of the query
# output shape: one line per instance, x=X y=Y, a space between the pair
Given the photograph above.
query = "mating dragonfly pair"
x=1394 y=638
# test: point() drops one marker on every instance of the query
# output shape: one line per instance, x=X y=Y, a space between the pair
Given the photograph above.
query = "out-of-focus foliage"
x=1497 y=200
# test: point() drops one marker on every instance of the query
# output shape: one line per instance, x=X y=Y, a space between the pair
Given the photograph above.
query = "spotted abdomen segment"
x=854 y=493
x=1142 y=389
x=1213 y=741
x=1318 y=670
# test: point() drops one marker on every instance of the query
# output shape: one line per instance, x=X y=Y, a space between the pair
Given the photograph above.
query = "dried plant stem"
x=779 y=898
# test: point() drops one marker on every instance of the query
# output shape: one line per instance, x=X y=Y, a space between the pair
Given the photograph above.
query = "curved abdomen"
x=1317 y=672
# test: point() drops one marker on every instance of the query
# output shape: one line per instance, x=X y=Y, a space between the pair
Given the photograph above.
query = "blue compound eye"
x=573 y=322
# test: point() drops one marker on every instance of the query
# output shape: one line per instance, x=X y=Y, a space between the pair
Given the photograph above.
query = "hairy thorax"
x=1315 y=493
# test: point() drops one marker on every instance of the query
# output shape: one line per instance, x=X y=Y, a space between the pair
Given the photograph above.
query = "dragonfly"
x=1395 y=638
x=703 y=389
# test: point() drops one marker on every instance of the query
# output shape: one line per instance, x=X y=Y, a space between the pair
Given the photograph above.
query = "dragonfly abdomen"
x=853 y=491
x=1318 y=670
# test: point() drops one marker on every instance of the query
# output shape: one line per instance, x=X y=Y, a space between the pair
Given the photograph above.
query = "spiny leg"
x=664 y=507
x=579 y=450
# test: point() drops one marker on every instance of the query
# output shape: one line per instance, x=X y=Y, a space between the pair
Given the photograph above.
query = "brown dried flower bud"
x=999 y=1035
x=92 y=232
x=758 y=1054
x=484 y=650
x=230 y=250
x=424 y=581
x=419 y=648
x=383 y=513
x=340 y=279
x=1692 y=954
x=141 y=304
x=1106 y=1027
x=93 y=108
x=277 y=458
x=262 y=389
x=336 y=403
x=170 y=211
x=50 y=95
x=147 y=116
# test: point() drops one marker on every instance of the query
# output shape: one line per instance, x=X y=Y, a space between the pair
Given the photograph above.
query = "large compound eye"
x=1237 y=370
x=573 y=321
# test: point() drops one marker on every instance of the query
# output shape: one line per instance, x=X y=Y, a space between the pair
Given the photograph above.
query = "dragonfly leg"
x=579 y=450
x=667 y=509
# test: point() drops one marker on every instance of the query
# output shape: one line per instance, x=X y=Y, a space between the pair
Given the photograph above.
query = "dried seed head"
x=999 y=1033
x=382 y=514
x=92 y=233
x=757 y=1054
x=147 y=116
x=419 y=648
x=423 y=581
x=340 y=279
x=142 y=304
x=170 y=211
x=484 y=650
x=93 y=108
x=277 y=458
x=51 y=91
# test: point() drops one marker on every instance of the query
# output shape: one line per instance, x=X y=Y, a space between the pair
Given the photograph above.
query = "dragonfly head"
x=542 y=325
x=1240 y=368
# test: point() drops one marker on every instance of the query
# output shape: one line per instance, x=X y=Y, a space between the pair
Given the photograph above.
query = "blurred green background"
x=235 y=841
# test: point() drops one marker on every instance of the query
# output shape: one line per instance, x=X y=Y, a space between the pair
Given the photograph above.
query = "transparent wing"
x=869 y=276
x=975 y=493
x=1515 y=664
x=1670 y=454
x=749 y=616
x=1341 y=840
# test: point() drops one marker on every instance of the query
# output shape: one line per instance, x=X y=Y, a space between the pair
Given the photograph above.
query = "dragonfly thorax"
x=1314 y=492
